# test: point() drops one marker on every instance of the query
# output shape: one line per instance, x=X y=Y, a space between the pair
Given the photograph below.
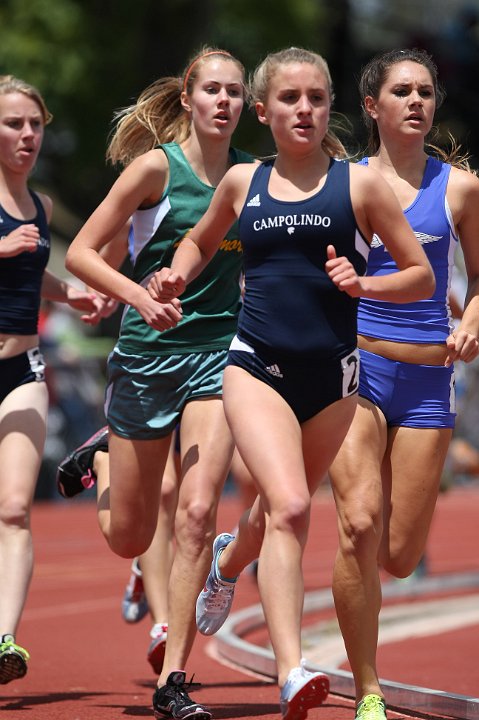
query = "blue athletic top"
x=21 y=276
x=290 y=304
x=424 y=321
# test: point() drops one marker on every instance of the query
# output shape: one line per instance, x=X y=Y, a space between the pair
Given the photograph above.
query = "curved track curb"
x=231 y=645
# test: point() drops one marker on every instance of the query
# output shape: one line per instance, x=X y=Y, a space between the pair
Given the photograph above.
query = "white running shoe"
x=214 y=601
x=134 y=605
x=302 y=691
x=156 y=650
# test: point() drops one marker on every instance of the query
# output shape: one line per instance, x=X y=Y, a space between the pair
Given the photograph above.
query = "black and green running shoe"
x=13 y=660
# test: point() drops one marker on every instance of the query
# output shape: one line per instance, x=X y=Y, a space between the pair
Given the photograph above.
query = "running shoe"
x=134 y=605
x=13 y=660
x=302 y=691
x=215 y=600
x=172 y=700
x=156 y=651
x=75 y=472
x=371 y=707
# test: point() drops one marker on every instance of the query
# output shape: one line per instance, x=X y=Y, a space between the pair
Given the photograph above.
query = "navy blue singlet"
x=291 y=306
x=21 y=276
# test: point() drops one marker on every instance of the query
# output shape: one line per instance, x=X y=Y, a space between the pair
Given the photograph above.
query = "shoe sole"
x=156 y=657
x=209 y=626
x=199 y=715
x=314 y=693
x=12 y=667
x=68 y=483
x=134 y=617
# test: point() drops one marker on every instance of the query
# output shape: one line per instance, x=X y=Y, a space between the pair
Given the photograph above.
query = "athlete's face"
x=217 y=98
x=406 y=102
x=297 y=106
x=21 y=132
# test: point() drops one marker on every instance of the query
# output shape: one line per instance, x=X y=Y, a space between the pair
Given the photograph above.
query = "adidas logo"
x=254 y=202
x=274 y=370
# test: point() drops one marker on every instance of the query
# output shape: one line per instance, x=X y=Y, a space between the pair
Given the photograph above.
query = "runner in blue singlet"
x=387 y=474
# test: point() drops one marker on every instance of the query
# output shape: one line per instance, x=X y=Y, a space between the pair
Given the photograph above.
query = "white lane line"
x=324 y=644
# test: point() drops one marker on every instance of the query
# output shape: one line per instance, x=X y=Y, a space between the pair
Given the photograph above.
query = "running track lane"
x=87 y=664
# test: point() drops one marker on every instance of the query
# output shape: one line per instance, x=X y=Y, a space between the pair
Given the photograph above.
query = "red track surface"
x=87 y=664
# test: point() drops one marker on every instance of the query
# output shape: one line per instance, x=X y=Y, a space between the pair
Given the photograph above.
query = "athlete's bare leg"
x=23 y=416
x=206 y=450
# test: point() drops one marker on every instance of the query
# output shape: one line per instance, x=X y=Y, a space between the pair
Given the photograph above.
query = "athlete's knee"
x=400 y=561
x=14 y=512
x=252 y=523
x=195 y=522
x=127 y=547
x=292 y=515
x=129 y=542
x=169 y=494
x=361 y=530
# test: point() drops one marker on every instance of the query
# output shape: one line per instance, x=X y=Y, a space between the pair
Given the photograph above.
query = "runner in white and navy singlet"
x=290 y=386
x=291 y=306
x=295 y=326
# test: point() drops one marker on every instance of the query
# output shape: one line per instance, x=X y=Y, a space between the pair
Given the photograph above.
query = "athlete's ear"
x=370 y=107
x=261 y=113
x=184 y=102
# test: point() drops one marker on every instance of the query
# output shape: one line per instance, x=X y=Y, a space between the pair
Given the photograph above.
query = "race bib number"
x=350 y=366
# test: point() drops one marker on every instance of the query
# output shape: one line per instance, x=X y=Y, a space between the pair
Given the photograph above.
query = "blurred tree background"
x=92 y=57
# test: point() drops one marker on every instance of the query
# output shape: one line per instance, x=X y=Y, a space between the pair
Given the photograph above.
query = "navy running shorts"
x=21 y=369
x=307 y=385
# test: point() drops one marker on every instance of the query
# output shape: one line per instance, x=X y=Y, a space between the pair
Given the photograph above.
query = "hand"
x=104 y=307
x=461 y=345
x=83 y=301
x=342 y=273
x=160 y=316
x=24 y=238
x=165 y=285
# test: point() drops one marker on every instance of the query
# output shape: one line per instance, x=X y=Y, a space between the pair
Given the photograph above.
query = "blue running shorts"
x=145 y=396
x=307 y=385
x=409 y=395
